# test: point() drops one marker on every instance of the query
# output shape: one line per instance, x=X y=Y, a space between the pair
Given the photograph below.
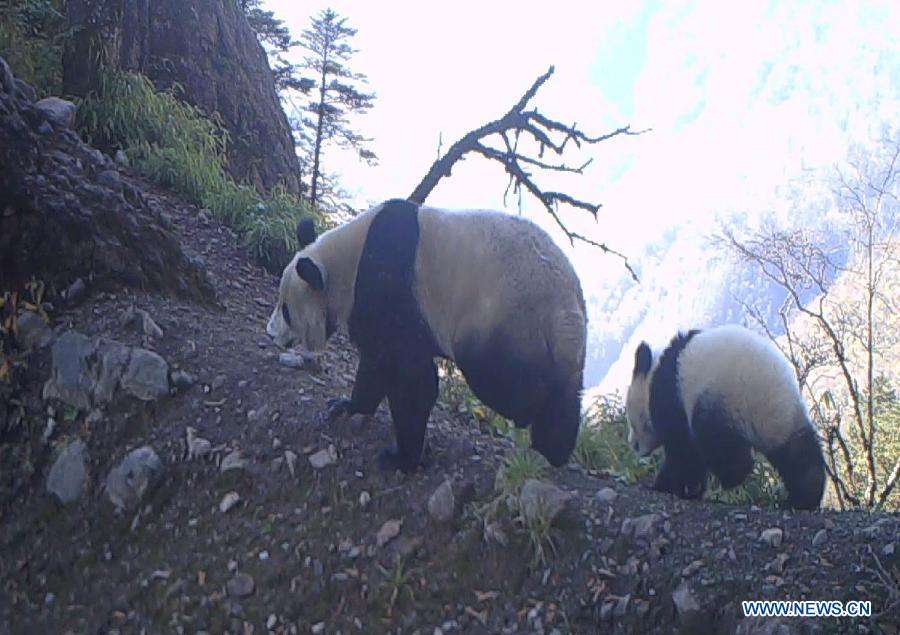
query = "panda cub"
x=488 y=290
x=709 y=399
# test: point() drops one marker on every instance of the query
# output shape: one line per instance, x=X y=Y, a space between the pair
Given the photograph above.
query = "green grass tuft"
x=175 y=145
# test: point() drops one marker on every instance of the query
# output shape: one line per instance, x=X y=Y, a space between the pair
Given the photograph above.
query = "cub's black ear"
x=643 y=359
x=306 y=232
x=310 y=272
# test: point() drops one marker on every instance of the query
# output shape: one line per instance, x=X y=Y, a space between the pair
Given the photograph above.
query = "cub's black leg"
x=369 y=391
x=726 y=452
x=412 y=392
x=683 y=472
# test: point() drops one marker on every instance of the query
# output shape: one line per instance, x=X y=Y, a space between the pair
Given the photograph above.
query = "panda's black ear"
x=643 y=359
x=310 y=272
x=306 y=232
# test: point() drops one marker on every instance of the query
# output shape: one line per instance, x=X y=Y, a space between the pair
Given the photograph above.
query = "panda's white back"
x=478 y=268
x=751 y=376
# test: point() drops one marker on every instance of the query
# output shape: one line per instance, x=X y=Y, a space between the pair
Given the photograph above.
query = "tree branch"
x=540 y=129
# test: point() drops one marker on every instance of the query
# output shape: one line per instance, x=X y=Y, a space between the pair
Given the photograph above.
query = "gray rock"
x=233 y=461
x=299 y=361
x=241 y=585
x=640 y=526
x=323 y=458
x=147 y=375
x=442 y=503
x=122 y=159
x=70 y=379
x=772 y=537
x=60 y=112
x=112 y=361
x=143 y=320
x=33 y=332
x=110 y=179
x=540 y=499
x=69 y=473
x=684 y=599
x=138 y=472
x=607 y=495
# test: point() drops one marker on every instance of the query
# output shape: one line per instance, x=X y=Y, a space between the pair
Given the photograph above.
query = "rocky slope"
x=221 y=502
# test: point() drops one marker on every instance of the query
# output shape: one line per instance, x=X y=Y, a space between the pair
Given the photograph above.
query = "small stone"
x=364 y=499
x=684 y=599
x=442 y=503
x=640 y=526
x=127 y=482
x=241 y=585
x=182 y=379
x=146 y=376
x=290 y=457
x=318 y=627
x=264 y=555
x=389 y=530
x=228 y=501
x=777 y=565
x=541 y=500
x=233 y=461
x=820 y=538
x=888 y=549
x=60 y=112
x=772 y=537
x=121 y=158
x=218 y=382
x=69 y=473
x=271 y=622
x=606 y=495
x=323 y=458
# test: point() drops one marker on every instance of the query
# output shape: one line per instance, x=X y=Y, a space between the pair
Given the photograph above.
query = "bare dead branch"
x=548 y=134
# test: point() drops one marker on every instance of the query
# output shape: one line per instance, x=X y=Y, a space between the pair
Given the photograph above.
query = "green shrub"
x=31 y=38
x=603 y=441
x=175 y=145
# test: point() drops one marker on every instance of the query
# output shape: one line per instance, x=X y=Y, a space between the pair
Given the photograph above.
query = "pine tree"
x=335 y=95
x=276 y=38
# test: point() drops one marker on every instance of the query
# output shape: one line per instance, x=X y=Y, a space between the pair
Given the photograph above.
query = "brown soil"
x=310 y=546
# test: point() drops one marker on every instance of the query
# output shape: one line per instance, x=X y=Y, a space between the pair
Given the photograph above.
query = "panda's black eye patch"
x=285 y=314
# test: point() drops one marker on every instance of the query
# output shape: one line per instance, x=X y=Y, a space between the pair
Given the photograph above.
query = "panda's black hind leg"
x=726 y=452
x=412 y=392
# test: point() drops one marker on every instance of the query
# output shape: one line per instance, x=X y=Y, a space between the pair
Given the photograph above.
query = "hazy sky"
x=739 y=96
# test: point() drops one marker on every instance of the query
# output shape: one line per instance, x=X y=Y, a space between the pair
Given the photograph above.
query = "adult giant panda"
x=712 y=396
x=488 y=290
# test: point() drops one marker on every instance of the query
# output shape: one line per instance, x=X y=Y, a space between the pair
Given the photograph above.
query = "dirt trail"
x=298 y=552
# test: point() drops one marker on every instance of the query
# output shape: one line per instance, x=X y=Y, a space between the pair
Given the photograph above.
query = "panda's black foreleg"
x=683 y=472
x=412 y=392
x=725 y=451
x=369 y=390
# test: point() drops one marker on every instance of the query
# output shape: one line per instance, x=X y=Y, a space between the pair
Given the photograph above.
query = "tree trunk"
x=320 y=125
x=209 y=50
